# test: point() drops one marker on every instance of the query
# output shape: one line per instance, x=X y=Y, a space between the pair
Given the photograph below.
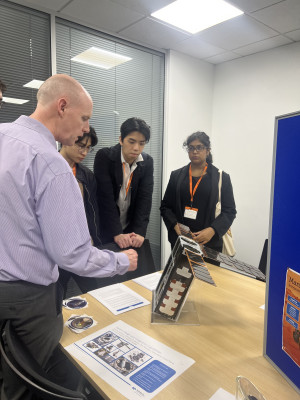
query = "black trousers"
x=35 y=314
x=85 y=284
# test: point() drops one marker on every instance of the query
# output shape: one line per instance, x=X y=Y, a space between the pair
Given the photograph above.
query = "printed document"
x=149 y=281
x=133 y=363
x=119 y=298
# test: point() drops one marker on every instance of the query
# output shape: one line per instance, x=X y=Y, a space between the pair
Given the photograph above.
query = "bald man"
x=43 y=222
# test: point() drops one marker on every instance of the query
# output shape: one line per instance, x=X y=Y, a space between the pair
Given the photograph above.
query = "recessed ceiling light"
x=34 y=84
x=195 y=15
x=100 y=58
x=14 y=101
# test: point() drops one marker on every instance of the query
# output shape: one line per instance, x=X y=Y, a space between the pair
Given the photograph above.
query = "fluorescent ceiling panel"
x=14 y=101
x=34 y=84
x=100 y=58
x=196 y=15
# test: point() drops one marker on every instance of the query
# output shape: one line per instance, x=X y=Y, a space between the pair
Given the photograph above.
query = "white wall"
x=188 y=107
x=249 y=92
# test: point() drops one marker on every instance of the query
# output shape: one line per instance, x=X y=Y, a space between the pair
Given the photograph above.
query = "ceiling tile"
x=252 y=5
x=102 y=13
x=222 y=57
x=236 y=32
x=154 y=33
x=284 y=16
x=54 y=5
x=197 y=48
x=295 y=35
x=263 y=45
x=145 y=7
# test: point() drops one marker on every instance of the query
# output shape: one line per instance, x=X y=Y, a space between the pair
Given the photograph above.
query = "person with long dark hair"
x=192 y=194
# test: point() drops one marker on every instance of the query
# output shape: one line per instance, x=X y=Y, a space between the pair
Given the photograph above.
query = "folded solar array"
x=232 y=263
x=225 y=261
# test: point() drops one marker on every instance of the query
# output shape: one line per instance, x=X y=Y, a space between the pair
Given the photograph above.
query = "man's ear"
x=120 y=140
x=62 y=104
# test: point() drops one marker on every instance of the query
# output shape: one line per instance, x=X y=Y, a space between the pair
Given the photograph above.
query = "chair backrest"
x=29 y=371
x=264 y=258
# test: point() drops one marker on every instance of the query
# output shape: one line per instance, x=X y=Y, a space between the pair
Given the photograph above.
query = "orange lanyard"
x=130 y=179
x=74 y=170
x=192 y=192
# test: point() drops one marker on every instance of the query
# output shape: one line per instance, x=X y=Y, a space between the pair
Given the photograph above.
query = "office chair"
x=264 y=258
x=29 y=371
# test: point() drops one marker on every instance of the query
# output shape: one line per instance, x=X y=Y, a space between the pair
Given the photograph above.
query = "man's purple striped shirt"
x=42 y=216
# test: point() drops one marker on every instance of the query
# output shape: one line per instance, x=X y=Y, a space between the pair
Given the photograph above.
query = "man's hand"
x=203 y=236
x=137 y=240
x=177 y=230
x=133 y=257
x=123 y=240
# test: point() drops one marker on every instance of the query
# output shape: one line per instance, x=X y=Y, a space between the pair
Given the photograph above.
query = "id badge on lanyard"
x=129 y=181
x=191 y=212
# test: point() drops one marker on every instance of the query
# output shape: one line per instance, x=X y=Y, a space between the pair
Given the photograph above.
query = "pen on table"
x=132 y=305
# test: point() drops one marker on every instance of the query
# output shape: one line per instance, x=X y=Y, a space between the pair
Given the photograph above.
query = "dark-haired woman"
x=192 y=194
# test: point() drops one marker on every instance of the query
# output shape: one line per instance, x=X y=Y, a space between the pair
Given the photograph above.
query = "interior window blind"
x=132 y=89
x=25 y=55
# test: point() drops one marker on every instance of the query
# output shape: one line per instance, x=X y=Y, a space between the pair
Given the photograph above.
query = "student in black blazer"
x=192 y=194
x=124 y=176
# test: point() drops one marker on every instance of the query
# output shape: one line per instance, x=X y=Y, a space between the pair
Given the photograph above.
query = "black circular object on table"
x=82 y=322
x=76 y=303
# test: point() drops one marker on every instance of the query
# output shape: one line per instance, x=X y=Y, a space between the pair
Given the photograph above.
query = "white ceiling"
x=266 y=24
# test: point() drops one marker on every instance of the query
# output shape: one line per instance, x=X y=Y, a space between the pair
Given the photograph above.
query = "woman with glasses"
x=74 y=155
x=192 y=194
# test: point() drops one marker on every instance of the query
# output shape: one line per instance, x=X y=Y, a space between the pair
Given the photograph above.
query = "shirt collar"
x=37 y=126
x=138 y=159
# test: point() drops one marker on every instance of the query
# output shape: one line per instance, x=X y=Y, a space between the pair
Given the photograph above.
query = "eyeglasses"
x=84 y=149
x=198 y=148
x=2 y=102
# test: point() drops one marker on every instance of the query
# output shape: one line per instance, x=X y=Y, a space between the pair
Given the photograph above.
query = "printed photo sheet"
x=132 y=362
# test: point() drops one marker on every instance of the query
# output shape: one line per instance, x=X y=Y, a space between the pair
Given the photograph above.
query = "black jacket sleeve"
x=93 y=201
x=168 y=203
x=143 y=201
x=110 y=224
x=87 y=179
x=228 y=211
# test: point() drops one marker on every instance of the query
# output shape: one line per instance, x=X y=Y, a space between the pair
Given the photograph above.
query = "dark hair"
x=135 y=124
x=204 y=139
x=2 y=86
x=91 y=134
